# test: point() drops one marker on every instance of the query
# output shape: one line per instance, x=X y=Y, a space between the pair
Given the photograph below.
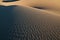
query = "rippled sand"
x=27 y=23
x=21 y=21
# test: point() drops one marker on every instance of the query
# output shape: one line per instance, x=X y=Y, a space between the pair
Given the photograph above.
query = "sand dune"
x=52 y=4
x=48 y=5
x=27 y=23
x=20 y=21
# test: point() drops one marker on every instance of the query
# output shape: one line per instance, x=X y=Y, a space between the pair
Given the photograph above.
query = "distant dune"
x=53 y=4
x=49 y=5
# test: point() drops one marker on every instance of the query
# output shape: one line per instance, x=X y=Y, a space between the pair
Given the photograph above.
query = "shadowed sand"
x=26 y=23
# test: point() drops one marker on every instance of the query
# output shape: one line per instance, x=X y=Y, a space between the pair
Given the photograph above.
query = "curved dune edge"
x=52 y=4
x=48 y=4
x=51 y=12
x=34 y=3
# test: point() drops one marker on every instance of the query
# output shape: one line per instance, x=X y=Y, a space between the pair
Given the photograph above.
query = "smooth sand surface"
x=48 y=5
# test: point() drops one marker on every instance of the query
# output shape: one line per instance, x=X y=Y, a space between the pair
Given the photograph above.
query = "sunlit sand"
x=49 y=5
